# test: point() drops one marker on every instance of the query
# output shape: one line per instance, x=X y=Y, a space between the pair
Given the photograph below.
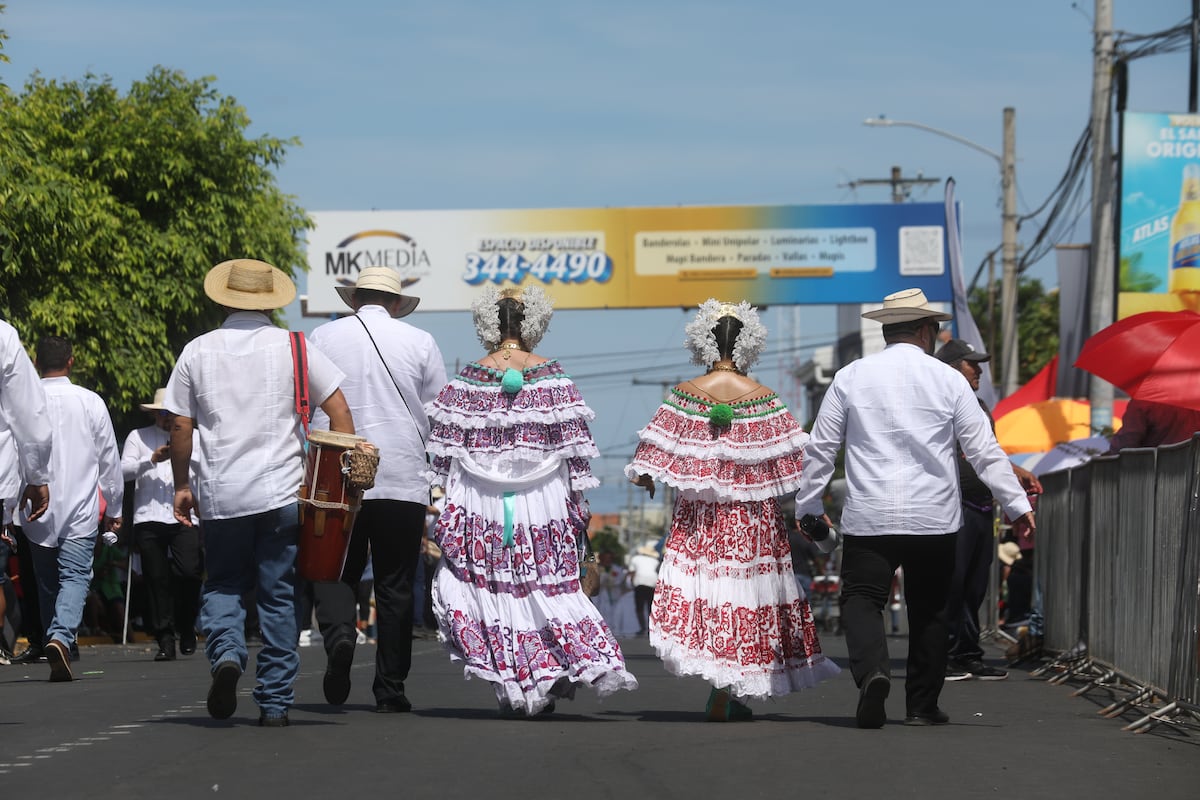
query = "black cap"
x=960 y=350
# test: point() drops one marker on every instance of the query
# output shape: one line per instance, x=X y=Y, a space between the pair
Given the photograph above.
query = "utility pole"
x=901 y=186
x=991 y=295
x=1100 y=393
x=1008 y=255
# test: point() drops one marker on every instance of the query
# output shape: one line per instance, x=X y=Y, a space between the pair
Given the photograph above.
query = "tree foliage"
x=1037 y=325
x=113 y=207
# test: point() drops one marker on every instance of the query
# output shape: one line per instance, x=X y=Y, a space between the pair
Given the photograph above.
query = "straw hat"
x=648 y=550
x=380 y=279
x=249 y=285
x=1009 y=552
x=160 y=395
x=905 y=306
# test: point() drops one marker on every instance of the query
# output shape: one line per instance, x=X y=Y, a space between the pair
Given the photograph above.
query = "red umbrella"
x=1153 y=356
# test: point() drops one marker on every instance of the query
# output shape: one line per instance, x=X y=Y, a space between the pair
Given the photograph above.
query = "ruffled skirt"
x=515 y=615
x=727 y=607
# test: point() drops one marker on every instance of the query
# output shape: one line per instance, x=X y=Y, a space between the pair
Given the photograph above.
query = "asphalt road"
x=132 y=728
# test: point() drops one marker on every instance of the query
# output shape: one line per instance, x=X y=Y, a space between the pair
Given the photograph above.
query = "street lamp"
x=1008 y=182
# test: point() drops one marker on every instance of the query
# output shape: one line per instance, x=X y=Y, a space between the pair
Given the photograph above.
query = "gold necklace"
x=508 y=348
x=726 y=368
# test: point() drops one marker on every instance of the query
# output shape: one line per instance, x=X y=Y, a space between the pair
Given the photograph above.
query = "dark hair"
x=375 y=297
x=726 y=330
x=512 y=314
x=53 y=353
x=911 y=327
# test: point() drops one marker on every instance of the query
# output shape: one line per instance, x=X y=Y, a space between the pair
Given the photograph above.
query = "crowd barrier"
x=1118 y=565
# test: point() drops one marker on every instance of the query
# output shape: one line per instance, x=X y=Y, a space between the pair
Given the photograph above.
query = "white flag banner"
x=968 y=331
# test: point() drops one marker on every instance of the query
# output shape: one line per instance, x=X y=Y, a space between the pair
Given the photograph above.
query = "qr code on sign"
x=921 y=251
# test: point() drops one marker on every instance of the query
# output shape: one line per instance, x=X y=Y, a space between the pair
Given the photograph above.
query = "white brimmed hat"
x=906 y=305
x=160 y=395
x=380 y=279
x=249 y=285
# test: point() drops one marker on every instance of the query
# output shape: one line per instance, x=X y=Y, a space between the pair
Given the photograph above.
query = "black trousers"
x=31 y=608
x=172 y=569
x=868 y=563
x=974 y=553
x=643 y=598
x=392 y=529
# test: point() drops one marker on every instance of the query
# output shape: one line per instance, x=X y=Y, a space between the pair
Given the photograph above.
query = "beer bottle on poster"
x=1185 y=238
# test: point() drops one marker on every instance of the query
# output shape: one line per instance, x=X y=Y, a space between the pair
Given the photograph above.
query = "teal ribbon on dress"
x=510 y=501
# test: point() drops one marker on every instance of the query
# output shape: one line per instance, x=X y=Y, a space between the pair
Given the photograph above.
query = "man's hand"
x=646 y=482
x=1029 y=481
x=38 y=497
x=1023 y=528
x=161 y=454
x=184 y=504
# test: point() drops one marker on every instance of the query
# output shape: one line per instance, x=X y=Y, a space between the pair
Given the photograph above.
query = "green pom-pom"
x=721 y=414
x=512 y=381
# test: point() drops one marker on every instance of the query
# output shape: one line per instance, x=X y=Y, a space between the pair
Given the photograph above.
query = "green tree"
x=1037 y=326
x=606 y=540
x=114 y=206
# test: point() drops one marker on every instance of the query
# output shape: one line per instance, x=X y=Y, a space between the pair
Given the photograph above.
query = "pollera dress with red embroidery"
x=506 y=592
x=727 y=606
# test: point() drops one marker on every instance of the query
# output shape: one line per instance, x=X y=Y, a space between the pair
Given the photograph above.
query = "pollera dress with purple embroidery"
x=511 y=449
x=727 y=607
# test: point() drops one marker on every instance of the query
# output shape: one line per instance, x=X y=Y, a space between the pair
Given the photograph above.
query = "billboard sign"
x=1160 y=213
x=638 y=257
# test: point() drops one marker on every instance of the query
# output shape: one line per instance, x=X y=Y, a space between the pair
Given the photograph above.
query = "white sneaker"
x=310 y=637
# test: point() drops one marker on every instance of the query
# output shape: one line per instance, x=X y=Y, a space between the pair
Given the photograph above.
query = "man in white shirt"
x=171 y=559
x=900 y=413
x=24 y=468
x=235 y=386
x=643 y=566
x=63 y=541
x=23 y=406
x=392 y=370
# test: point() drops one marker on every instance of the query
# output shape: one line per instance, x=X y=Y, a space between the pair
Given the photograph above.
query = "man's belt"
x=982 y=508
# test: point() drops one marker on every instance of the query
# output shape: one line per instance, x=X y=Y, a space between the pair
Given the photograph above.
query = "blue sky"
x=532 y=104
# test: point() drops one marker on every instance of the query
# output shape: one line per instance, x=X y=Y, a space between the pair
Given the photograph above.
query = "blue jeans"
x=64 y=575
x=255 y=553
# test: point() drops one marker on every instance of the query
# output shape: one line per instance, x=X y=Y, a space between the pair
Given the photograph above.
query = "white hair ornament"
x=536 y=306
x=703 y=342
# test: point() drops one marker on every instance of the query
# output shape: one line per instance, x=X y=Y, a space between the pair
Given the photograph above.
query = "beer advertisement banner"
x=1160 y=213
x=638 y=257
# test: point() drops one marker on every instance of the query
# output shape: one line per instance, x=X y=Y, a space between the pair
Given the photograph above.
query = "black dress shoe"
x=337 y=672
x=30 y=655
x=274 y=721
x=166 y=650
x=187 y=642
x=394 y=705
x=921 y=718
x=875 y=689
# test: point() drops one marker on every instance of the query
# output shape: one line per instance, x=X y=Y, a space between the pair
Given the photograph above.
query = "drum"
x=328 y=505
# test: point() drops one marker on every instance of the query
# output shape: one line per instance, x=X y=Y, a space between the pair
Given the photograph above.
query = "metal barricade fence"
x=1123 y=562
x=1178 y=549
x=1052 y=560
x=1119 y=567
